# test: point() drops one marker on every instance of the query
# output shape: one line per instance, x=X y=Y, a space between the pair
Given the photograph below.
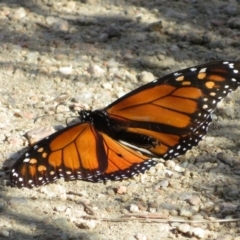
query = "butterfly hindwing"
x=76 y=152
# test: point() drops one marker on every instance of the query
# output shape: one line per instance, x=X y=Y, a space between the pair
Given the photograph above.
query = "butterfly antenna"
x=43 y=116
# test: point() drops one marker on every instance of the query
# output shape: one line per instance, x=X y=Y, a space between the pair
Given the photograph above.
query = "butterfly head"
x=85 y=116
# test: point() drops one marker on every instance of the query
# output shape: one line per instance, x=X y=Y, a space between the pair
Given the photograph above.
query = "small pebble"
x=197 y=217
x=146 y=77
x=133 y=208
x=141 y=236
x=4 y=233
x=121 y=189
x=179 y=168
x=60 y=208
x=198 y=232
x=66 y=70
x=168 y=206
x=184 y=212
x=132 y=187
x=60 y=25
x=193 y=200
x=184 y=228
x=87 y=224
x=208 y=206
x=19 y=13
x=39 y=133
x=96 y=70
x=163 y=184
x=170 y=164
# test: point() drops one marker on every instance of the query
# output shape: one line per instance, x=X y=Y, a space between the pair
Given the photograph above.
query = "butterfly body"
x=163 y=118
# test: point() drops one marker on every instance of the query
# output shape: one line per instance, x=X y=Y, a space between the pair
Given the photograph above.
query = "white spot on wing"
x=26 y=160
x=203 y=70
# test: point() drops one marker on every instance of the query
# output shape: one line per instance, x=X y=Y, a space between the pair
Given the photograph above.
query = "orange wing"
x=123 y=162
x=77 y=152
x=72 y=153
x=175 y=110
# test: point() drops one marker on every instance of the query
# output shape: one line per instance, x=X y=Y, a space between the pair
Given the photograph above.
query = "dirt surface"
x=87 y=54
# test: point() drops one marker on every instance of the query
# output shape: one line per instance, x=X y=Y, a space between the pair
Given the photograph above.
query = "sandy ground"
x=87 y=54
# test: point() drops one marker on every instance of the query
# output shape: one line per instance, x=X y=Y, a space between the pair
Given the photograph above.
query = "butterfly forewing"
x=177 y=105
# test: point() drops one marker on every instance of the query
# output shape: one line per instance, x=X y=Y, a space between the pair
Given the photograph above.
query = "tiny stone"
x=107 y=85
x=170 y=164
x=19 y=13
x=132 y=187
x=185 y=196
x=96 y=70
x=168 y=206
x=146 y=77
x=125 y=198
x=193 y=200
x=133 y=208
x=167 y=62
x=4 y=233
x=197 y=217
x=121 y=189
x=87 y=224
x=39 y=133
x=60 y=208
x=198 y=232
x=184 y=228
x=164 y=184
x=174 y=48
x=152 y=210
x=61 y=25
x=186 y=212
x=71 y=5
x=187 y=173
x=224 y=158
x=66 y=70
x=209 y=139
x=177 y=168
x=51 y=20
x=208 y=206
x=110 y=192
x=140 y=236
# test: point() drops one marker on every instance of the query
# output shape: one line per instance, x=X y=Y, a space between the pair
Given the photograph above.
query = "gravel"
x=85 y=54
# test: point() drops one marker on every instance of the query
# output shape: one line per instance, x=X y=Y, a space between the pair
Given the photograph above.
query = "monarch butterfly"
x=163 y=118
